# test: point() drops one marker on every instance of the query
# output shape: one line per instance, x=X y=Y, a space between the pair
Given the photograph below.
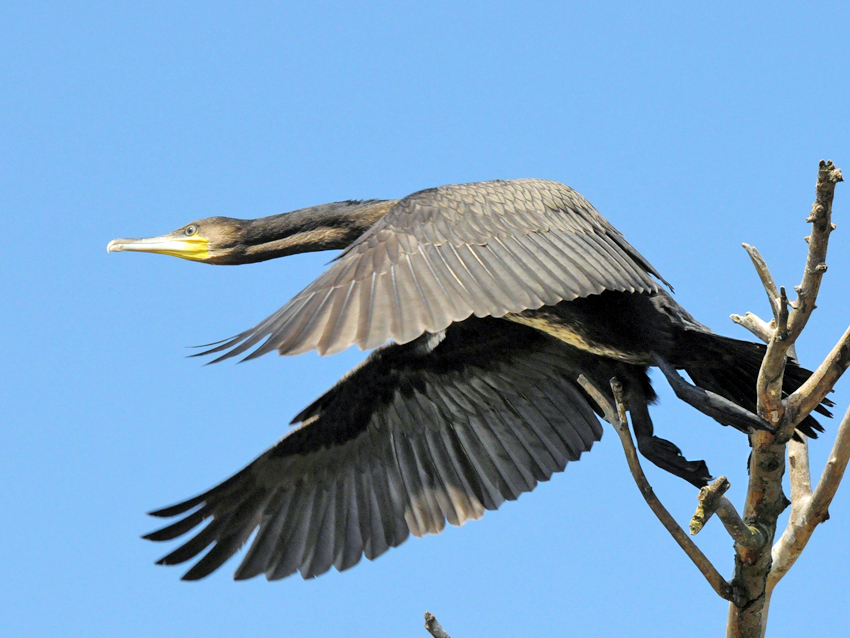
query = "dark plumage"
x=446 y=253
x=497 y=296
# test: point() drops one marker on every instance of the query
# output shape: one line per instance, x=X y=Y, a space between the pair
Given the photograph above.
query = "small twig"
x=762 y=329
x=766 y=279
x=708 y=500
x=758 y=326
x=712 y=500
x=782 y=323
x=434 y=627
x=616 y=414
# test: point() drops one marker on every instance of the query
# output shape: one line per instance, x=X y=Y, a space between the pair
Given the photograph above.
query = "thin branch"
x=748 y=536
x=758 y=326
x=809 y=395
x=712 y=500
x=766 y=279
x=814 y=507
x=800 y=475
x=821 y=220
x=763 y=330
x=708 y=500
x=807 y=292
x=834 y=469
x=608 y=409
x=434 y=627
x=617 y=416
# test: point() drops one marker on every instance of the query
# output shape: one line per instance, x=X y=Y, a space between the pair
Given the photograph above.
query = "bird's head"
x=229 y=241
x=214 y=240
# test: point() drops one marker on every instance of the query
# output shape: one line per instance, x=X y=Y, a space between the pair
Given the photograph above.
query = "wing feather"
x=432 y=431
x=263 y=547
x=447 y=253
x=288 y=555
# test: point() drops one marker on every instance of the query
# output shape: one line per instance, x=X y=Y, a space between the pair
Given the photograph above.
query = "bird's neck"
x=326 y=227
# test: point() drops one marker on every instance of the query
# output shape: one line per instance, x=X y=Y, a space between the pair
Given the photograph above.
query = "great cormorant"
x=495 y=297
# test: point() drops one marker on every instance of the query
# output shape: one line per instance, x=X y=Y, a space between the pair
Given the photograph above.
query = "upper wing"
x=441 y=255
x=432 y=431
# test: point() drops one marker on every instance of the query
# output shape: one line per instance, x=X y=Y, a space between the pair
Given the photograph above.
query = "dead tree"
x=759 y=562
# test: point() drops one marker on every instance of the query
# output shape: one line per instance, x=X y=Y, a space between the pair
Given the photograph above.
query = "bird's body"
x=496 y=296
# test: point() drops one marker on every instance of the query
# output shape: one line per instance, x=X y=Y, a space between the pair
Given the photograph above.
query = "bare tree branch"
x=813 y=507
x=748 y=536
x=434 y=628
x=798 y=451
x=754 y=324
x=609 y=411
x=809 y=395
x=766 y=279
x=765 y=498
x=800 y=475
x=708 y=501
x=760 y=328
x=712 y=500
x=616 y=415
x=807 y=291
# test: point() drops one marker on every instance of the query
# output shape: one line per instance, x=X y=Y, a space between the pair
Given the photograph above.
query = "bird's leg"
x=660 y=451
x=717 y=407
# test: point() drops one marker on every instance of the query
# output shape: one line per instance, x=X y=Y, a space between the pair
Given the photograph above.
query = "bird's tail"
x=730 y=368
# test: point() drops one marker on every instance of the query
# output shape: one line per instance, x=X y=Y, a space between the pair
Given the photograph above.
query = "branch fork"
x=712 y=500
x=758 y=567
x=616 y=415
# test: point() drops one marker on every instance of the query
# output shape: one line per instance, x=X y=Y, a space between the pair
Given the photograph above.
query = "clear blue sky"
x=691 y=126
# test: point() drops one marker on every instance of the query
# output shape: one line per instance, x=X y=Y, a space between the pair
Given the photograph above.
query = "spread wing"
x=444 y=254
x=437 y=430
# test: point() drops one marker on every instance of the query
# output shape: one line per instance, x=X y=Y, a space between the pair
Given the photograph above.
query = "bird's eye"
x=190 y=230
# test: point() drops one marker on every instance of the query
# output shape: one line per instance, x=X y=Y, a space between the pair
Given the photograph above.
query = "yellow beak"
x=194 y=248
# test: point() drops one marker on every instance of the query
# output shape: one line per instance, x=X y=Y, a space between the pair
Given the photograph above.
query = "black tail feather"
x=730 y=368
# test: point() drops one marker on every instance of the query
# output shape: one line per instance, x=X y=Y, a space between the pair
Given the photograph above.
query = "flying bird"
x=483 y=303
